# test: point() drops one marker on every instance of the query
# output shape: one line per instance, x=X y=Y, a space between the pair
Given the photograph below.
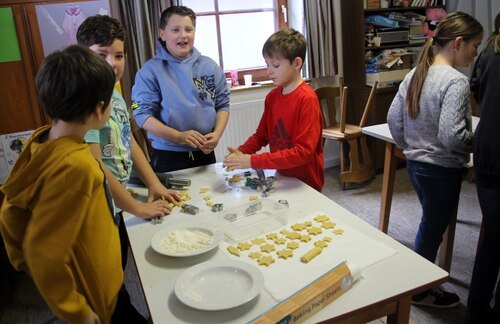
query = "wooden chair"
x=353 y=147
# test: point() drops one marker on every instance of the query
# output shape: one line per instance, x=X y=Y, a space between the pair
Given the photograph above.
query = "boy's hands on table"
x=159 y=198
x=157 y=208
x=237 y=160
x=159 y=191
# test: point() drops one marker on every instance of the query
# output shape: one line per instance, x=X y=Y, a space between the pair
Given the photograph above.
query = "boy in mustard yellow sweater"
x=57 y=219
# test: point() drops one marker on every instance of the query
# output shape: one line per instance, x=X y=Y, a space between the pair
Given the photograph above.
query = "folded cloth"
x=286 y=276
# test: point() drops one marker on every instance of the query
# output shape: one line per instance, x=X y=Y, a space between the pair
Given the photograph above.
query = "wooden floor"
x=21 y=303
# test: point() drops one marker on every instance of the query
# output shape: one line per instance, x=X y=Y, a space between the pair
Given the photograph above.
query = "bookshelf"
x=354 y=50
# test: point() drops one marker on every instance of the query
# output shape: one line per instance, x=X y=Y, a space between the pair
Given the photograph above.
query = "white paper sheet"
x=285 y=277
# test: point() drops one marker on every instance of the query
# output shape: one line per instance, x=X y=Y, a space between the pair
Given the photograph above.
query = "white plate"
x=217 y=235
x=220 y=284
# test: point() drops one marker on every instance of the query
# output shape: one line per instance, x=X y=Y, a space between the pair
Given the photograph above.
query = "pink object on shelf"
x=234 y=78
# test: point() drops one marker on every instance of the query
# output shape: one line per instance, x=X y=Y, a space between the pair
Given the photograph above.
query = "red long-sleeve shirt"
x=292 y=126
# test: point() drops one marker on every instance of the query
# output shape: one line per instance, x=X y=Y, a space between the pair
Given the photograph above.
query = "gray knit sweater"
x=442 y=132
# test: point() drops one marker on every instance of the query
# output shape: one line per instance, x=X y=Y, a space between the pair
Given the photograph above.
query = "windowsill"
x=254 y=86
x=258 y=85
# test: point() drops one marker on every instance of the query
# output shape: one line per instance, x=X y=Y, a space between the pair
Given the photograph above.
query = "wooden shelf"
x=394 y=45
x=400 y=9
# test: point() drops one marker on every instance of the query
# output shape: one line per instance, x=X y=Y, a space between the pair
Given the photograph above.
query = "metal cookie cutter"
x=190 y=209
x=157 y=220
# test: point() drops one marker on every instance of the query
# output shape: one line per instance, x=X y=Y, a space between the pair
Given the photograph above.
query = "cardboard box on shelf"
x=416 y=29
x=372 y=4
x=311 y=299
x=386 y=77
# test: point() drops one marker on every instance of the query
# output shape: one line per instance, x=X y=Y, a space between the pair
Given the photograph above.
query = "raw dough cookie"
x=328 y=224
x=258 y=240
x=299 y=226
x=338 y=231
x=284 y=231
x=244 y=246
x=255 y=255
x=267 y=260
x=327 y=239
x=321 y=244
x=272 y=236
x=285 y=254
x=294 y=236
x=292 y=245
x=321 y=218
x=280 y=240
x=267 y=248
x=233 y=250
x=305 y=238
x=314 y=230
x=133 y=193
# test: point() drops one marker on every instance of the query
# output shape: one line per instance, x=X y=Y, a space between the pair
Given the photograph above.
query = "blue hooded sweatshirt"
x=183 y=94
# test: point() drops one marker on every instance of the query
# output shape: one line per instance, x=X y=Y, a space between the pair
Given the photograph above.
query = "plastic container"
x=253 y=219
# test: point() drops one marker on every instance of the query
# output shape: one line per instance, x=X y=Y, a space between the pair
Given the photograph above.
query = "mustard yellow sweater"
x=57 y=226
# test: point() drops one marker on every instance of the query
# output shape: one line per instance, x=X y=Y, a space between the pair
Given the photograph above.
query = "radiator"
x=243 y=121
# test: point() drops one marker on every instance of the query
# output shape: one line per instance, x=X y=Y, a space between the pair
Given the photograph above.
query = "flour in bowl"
x=186 y=240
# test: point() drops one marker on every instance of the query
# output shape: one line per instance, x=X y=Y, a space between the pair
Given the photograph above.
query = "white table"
x=392 y=155
x=384 y=290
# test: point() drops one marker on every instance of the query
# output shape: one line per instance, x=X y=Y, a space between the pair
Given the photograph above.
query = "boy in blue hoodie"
x=180 y=97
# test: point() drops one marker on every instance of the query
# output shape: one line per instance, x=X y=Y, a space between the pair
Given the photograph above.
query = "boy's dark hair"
x=101 y=30
x=287 y=42
x=71 y=83
x=176 y=10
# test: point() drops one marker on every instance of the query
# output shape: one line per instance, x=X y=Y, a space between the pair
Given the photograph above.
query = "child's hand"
x=160 y=192
x=237 y=160
x=191 y=138
x=211 y=143
x=152 y=209
x=233 y=152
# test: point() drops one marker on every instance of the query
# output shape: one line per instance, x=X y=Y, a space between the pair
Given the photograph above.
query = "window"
x=232 y=32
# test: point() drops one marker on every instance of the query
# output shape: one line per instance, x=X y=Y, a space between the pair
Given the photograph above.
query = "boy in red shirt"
x=292 y=120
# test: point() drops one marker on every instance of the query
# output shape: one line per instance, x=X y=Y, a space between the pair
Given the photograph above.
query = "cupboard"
x=354 y=50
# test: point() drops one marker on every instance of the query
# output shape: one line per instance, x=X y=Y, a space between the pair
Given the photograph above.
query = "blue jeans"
x=487 y=263
x=438 y=190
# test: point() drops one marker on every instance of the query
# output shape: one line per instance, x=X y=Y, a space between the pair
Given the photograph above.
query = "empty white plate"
x=219 y=284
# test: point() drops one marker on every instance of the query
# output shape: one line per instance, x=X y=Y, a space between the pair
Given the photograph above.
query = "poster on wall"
x=58 y=23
